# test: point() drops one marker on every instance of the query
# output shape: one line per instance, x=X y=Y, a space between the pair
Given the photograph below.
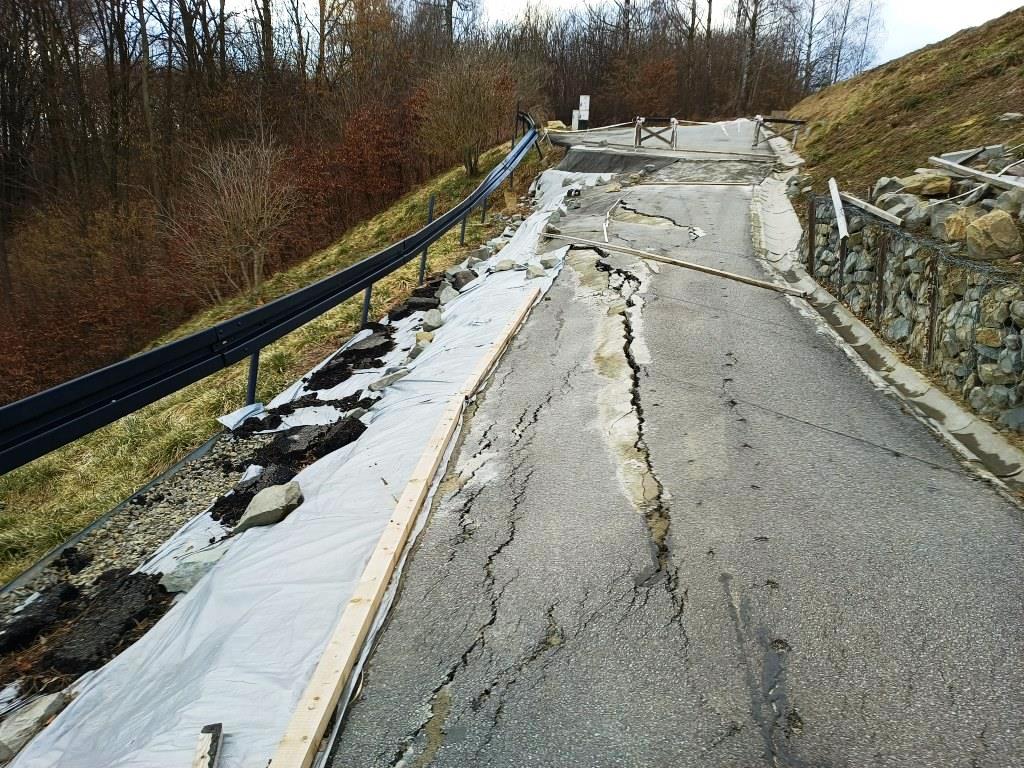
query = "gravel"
x=136 y=529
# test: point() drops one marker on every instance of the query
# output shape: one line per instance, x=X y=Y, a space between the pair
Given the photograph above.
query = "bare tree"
x=464 y=100
x=237 y=207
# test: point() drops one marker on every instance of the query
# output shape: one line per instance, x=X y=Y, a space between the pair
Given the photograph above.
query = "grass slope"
x=942 y=98
x=45 y=502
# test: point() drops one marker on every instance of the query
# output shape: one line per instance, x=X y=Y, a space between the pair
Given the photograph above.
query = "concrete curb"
x=983 y=448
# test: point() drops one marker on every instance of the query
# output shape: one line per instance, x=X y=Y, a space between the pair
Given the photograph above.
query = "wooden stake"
x=208 y=748
x=873 y=210
x=1003 y=182
x=316 y=707
x=837 y=204
x=684 y=264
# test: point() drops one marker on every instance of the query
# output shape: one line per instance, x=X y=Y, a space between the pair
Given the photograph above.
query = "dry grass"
x=945 y=97
x=45 y=502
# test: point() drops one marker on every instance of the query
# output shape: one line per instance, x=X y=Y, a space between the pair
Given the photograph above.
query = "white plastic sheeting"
x=239 y=648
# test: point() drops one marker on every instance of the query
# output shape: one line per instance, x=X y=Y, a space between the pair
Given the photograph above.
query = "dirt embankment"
x=945 y=97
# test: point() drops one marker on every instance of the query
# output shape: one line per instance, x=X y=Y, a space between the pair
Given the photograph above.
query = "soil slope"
x=945 y=97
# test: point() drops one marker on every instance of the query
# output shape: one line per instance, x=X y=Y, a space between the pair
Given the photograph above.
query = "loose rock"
x=993 y=236
x=189 y=569
x=535 y=270
x=926 y=184
x=271 y=505
x=21 y=725
x=387 y=381
x=447 y=294
x=432 y=320
x=462 y=278
x=956 y=224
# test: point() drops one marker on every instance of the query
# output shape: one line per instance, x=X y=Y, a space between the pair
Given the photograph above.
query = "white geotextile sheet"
x=239 y=648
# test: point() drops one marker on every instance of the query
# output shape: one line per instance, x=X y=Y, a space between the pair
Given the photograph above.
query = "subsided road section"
x=682 y=529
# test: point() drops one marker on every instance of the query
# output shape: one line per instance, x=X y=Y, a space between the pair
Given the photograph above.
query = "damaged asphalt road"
x=681 y=529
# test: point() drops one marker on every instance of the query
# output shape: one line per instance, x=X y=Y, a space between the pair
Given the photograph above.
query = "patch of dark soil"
x=119 y=614
x=71 y=634
x=54 y=605
x=420 y=300
x=286 y=454
x=365 y=353
x=256 y=424
x=428 y=289
x=311 y=399
x=73 y=560
x=275 y=474
x=141 y=499
x=301 y=446
x=306 y=401
x=228 y=509
x=355 y=400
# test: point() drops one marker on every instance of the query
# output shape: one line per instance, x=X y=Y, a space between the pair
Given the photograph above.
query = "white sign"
x=575 y=119
x=584 y=107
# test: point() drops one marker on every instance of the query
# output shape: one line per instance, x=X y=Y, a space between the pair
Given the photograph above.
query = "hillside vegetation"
x=942 y=98
x=45 y=502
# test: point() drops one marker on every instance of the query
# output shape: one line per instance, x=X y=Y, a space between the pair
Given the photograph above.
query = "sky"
x=909 y=24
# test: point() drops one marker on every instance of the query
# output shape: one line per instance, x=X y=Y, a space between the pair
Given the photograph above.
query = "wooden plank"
x=873 y=210
x=837 y=204
x=679 y=263
x=316 y=707
x=1003 y=182
x=208 y=747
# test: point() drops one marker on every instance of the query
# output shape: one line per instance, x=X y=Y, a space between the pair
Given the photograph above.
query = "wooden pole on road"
x=679 y=263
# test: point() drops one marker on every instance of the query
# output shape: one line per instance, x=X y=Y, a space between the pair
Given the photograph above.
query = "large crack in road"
x=629 y=565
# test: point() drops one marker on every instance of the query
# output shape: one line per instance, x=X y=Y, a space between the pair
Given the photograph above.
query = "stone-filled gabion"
x=979 y=310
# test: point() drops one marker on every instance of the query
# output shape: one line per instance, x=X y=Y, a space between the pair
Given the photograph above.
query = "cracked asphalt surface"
x=682 y=529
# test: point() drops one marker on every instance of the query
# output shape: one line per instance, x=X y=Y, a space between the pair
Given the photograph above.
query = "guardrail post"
x=462 y=230
x=483 y=211
x=367 y=294
x=254 y=370
x=423 y=254
x=515 y=135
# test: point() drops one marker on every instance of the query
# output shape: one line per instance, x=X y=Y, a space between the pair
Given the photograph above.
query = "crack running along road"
x=801 y=598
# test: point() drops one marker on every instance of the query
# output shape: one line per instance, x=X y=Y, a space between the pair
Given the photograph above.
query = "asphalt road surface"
x=682 y=529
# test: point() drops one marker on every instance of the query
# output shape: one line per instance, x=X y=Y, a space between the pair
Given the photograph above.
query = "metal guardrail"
x=36 y=425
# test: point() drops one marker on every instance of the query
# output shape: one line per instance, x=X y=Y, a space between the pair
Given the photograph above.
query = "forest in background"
x=157 y=156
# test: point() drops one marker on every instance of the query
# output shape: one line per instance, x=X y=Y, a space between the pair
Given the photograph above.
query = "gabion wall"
x=957 y=319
